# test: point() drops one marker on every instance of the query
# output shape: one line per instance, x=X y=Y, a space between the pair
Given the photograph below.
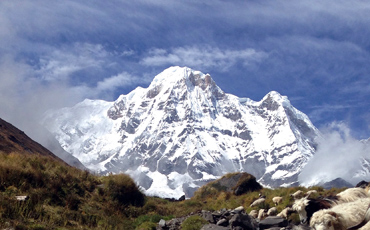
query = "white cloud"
x=203 y=57
x=338 y=155
x=24 y=98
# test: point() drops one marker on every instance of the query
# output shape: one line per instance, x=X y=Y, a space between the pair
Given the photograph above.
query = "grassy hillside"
x=63 y=197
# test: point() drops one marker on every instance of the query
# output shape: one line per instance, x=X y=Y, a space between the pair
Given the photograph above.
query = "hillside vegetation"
x=63 y=197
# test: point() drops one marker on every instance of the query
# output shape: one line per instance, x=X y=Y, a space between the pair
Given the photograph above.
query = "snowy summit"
x=183 y=131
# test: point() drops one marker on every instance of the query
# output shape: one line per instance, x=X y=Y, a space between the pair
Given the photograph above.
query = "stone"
x=162 y=223
x=244 y=221
x=238 y=228
x=217 y=214
x=214 y=227
x=208 y=217
x=272 y=221
x=223 y=222
x=239 y=209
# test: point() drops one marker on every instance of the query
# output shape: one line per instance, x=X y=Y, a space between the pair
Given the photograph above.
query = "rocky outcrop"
x=237 y=183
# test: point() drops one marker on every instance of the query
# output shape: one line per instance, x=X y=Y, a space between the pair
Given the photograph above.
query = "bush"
x=123 y=191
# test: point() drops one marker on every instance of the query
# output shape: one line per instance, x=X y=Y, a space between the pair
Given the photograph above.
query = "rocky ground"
x=235 y=219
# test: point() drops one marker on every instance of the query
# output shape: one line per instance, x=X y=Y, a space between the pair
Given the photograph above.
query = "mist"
x=24 y=97
x=338 y=155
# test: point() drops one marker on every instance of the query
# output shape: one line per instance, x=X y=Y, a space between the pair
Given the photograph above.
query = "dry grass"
x=63 y=197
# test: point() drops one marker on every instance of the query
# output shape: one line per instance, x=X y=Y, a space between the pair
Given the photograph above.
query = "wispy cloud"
x=60 y=64
x=203 y=57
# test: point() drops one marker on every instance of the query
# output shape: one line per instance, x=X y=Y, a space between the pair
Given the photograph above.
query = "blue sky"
x=56 y=53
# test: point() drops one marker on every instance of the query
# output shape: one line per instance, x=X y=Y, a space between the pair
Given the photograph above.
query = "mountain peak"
x=180 y=77
x=174 y=74
x=277 y=97
x=183 y=131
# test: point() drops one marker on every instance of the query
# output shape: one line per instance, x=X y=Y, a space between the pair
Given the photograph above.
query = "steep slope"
x=42 y=141
x=13 y=140
x=183 y=131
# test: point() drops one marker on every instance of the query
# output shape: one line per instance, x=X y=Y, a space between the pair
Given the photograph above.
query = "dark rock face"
x=145 y=181
x=189 y=191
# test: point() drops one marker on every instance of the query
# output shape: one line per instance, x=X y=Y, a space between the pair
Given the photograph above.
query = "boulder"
x=237 y=183
x=223 y=222
x=162 y=223
x=238 y=209
x=207 y=215
x=214 y=227
x=244 y=221
x=272 y=221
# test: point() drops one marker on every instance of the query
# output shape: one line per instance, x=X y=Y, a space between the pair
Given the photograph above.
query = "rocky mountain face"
x=183 y=131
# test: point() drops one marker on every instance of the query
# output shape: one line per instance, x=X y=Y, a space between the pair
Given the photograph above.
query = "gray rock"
x=239 y=209
x=272 y=221
x=223 y=222
x=217 y=214
x=214 y=227
x=162 y=223
x=208 y=217
x=244 y=221
x=173 y=224
x=238 y=228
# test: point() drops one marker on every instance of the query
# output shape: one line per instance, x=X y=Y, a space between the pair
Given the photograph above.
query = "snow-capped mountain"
x=183 y=131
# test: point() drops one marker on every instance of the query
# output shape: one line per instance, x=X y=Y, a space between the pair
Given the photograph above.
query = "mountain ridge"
x=14 y=140
x=183 y=131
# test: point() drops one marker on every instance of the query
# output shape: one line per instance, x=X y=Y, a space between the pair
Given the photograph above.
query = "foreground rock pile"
x=235 y=219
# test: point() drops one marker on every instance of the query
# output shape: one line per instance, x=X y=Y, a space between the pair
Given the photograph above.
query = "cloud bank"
x=338 y=155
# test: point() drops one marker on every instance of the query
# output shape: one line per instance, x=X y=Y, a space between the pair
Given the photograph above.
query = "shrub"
x=123 y=191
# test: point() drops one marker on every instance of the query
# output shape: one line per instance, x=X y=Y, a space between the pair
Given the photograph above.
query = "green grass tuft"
x=193 y=223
